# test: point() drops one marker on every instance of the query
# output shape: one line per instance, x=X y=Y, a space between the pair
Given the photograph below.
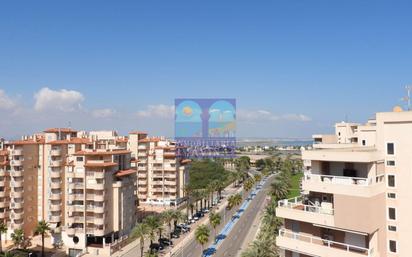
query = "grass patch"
x=295 y=182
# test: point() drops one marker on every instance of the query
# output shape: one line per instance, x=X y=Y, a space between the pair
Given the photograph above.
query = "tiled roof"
x=102 y=152
x=63 y=130
x=101 y=164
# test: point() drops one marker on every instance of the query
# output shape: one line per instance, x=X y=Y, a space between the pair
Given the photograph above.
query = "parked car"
x=156 y=247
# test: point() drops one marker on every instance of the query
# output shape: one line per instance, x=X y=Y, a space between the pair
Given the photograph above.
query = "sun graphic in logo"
x=187 y=110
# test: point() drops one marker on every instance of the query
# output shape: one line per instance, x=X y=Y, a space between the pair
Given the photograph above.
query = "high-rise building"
x=356 y=192
x=161 y=174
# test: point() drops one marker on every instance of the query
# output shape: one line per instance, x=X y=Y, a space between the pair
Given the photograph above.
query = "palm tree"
x=260 y=249
x=279 y=189
x=3 y=230
x=220 y=186
x=168 y=218
x=17 y=237
x=188 y=190
x=153 y=224
x=178 y=216
x=202 y=234
x=41 y=229
x=141 y=230
x=215 y=219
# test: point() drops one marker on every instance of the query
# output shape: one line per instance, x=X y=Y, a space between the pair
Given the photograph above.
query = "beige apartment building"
x=81 y=183
x=161 y=174
x=357 y=195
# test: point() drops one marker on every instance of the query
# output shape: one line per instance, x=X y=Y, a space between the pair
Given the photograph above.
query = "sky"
x=294 y=67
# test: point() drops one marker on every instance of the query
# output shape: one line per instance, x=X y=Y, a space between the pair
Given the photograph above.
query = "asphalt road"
x=231 y=245
x=234 y=241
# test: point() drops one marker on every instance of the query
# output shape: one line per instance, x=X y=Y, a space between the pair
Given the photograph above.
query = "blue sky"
x=295 y=67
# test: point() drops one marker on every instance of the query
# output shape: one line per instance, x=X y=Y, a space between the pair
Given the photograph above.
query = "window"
x=391 y=180
x=390 y=163
x=392 y=228
x=393 y=245
x=390 y=149
x=363 y=142
x=79 y=159
x=392 y=213
x=392 y=195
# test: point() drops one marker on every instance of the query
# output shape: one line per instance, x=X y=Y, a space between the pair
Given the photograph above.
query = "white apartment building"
x=161 y=174
x=357 y=196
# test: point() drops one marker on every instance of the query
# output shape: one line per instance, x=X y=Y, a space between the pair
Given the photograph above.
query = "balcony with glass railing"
x=304 y=210
x=318 y=246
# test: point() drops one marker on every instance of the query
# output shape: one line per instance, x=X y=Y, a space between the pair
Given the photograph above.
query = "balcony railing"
x=339 y=180
x=325 y=243
x=297 y=204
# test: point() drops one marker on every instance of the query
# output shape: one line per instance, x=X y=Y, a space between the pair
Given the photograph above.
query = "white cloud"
x=264 y=115
x=6 y=102
x=157 y=111
x=63 y=100
x=103 y=113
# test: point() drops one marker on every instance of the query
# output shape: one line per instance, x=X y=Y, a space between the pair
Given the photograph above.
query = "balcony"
x=16 y=183
x=17 y=194
x=295 y=209
x=142 y=182
x=74 y=231
x=95 y=197
x=55 y=163
x=76 y=185
x=95 y=209
x=75 y=174
x=17 y=216
x=74 y=197
x=55 y=218
x=56 y=207
x=95 y=220
x=17 y=152
x=95 y=174
x=95 y=231
x=55 y=185
x=55 y=152
x=142 y=175
x=55 y=174
x=17 y=173
x=4 y=204
x=97 y=186
x=170 y=183
x=3 y=194
x=56 y=196
x=75 y=219
x=16 y=163
x=76 y=208
x=4 y=215
x=352 y=186
x=2 y=173
x=316 y=246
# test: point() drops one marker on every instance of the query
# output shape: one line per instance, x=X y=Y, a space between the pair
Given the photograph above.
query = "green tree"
x=202 y=234
x=140 y=231
x=153 y=224
x=178 y=216
x=3 y=230
x=17 y=237
x=215 y=219
x=168 y=217
x=279 y=189
x=42 y=228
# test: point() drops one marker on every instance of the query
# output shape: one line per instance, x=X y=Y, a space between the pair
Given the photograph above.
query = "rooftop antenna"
x=69 y=124
x=407 y=98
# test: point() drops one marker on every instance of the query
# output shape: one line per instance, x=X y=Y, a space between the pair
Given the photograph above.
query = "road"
x=233 y=242
x=235 y=238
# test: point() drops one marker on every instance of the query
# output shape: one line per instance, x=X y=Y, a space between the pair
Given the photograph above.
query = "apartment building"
x=80 y=182
x=356 y=197
x=161 y=174
x=101 y=205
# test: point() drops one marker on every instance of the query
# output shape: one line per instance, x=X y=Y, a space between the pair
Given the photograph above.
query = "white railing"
x=325 y=242
x=339 y=180
x=297 y=204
